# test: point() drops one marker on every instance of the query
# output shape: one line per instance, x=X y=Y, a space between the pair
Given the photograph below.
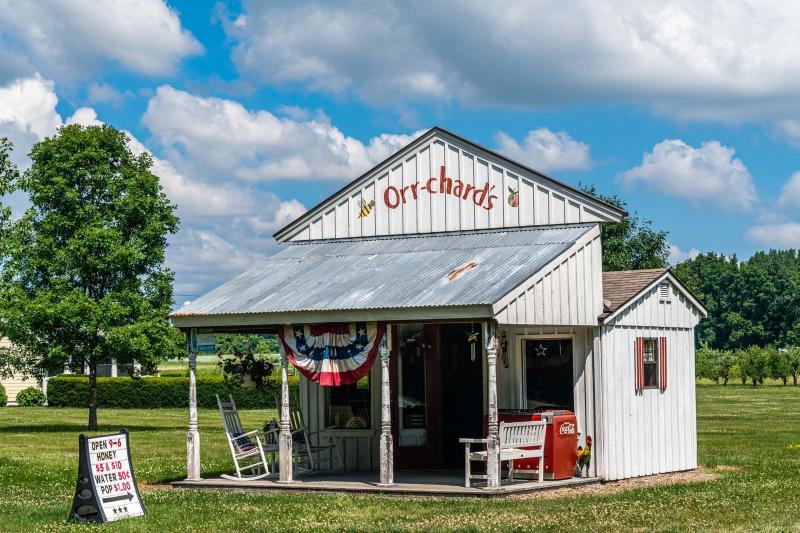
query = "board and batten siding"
x=650 y=431
x=359 y=447
x=521 y=197
x=511 y=392
x=567 y=292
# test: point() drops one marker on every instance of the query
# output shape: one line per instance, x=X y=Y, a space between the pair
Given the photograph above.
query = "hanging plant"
x=245 y=368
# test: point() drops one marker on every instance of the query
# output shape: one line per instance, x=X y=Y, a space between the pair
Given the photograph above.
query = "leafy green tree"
x=778 y=364
x=793 y=360
x=82 y=275
x=707 y=363
x=632 y=243
x=229 y=343
x=8 y=175
x=755 y=364
x=752 y=302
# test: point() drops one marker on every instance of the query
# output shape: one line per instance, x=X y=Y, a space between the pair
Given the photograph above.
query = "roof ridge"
x=482 y=231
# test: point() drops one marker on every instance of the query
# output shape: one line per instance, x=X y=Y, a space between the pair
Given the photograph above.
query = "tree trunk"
x=93 y=397
x=794 y=378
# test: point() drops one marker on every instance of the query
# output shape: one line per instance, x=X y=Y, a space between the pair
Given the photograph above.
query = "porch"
x=440 y=327
x=406 y=483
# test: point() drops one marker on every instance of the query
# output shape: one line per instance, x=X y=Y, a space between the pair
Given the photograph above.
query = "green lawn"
x=747 y=430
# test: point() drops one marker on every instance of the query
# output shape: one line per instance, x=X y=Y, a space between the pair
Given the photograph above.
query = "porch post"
x=285 y=436
x=493 y=443
x=193 y=437
x=386 y=452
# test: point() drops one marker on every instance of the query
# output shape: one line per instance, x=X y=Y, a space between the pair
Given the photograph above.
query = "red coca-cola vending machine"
x=560 y=445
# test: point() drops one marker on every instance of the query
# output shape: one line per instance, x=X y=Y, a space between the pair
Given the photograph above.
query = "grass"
x=747 y=430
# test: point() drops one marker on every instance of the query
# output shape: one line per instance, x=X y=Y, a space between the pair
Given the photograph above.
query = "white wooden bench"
x=515 y=437
x=246 y=448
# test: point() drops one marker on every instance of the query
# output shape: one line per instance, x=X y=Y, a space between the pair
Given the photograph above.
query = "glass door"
x=413 y=348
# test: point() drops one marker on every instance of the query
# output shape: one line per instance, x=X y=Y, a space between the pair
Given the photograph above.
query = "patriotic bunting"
x=332 y=354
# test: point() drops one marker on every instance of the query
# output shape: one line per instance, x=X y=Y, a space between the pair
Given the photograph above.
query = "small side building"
x=647 y=393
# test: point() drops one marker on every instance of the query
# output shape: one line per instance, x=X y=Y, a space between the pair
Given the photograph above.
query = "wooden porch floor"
x=406 y=483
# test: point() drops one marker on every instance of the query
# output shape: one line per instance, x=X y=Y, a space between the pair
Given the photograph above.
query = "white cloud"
x=786 y=235
x=545 y=150
x=707 y=176
x=63 y=39
x=244 y=214
x=790 y=193
x=27 y=114
x=215 y=136
x=203 y=259
x=30 y=104
x=707 y=60
x=676 y=255
x=99 y=93
x=85 y=116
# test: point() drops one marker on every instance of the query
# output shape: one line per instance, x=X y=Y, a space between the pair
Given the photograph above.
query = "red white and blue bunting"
x=332 y=354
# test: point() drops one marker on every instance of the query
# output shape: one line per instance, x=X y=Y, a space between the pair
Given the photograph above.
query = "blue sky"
x=255 y=111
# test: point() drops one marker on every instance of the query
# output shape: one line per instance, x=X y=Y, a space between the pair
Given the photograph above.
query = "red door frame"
x=429 y=455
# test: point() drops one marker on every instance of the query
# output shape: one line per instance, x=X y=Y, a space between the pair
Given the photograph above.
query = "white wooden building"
x=487 y=276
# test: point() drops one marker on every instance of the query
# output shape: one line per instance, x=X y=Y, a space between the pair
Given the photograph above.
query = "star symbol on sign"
x=115 y=510
x=541 y=351
x=126 y=508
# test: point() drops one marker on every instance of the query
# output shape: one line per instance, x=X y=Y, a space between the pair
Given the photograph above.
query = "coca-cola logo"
x=567 y=428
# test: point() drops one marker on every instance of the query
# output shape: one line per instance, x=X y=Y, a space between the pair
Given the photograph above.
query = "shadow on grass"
x=80 y=428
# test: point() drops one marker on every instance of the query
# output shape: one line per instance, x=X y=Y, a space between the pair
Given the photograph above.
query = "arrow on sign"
x=128 y=497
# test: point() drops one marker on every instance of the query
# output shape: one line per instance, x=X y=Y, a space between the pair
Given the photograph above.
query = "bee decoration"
x=366 y=208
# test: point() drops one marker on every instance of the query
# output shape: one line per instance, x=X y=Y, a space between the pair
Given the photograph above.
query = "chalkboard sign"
x=106 y=488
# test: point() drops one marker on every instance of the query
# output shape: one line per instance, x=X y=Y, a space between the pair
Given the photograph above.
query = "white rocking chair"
x=305 y=452
x=248 y=451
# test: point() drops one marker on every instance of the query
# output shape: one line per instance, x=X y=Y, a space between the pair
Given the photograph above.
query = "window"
x=548 y=373
x=650 y=363
x=349 y=405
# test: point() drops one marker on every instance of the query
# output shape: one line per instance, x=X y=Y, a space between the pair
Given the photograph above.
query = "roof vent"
x=664 y=293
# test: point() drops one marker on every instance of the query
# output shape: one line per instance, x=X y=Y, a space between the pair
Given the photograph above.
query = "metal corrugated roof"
x=445 y=269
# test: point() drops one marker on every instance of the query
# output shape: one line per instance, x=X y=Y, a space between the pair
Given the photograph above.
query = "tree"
x=793 y=360
x=754 y=365
x=228 y=343
x=632 y=243
x=778 y=364
x=82 y=275
x=8 y=175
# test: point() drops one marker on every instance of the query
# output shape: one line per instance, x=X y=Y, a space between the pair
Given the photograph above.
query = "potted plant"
x=244 y=367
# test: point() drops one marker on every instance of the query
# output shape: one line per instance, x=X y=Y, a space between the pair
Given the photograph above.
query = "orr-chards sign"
x=106 y=490
x=481 y=196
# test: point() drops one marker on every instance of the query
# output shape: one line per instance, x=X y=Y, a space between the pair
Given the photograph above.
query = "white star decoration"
x=541 y=351
x=362 y=332
x=298 y=333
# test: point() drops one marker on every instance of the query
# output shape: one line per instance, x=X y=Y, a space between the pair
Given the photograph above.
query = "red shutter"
x=639 y=363
x=662 y=363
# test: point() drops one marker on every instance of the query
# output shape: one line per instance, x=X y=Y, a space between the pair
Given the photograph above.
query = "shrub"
x=152 y=392
x=31 y=397
x=3 y=396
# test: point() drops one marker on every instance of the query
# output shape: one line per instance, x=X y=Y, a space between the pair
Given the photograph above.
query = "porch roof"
x=458 y=269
